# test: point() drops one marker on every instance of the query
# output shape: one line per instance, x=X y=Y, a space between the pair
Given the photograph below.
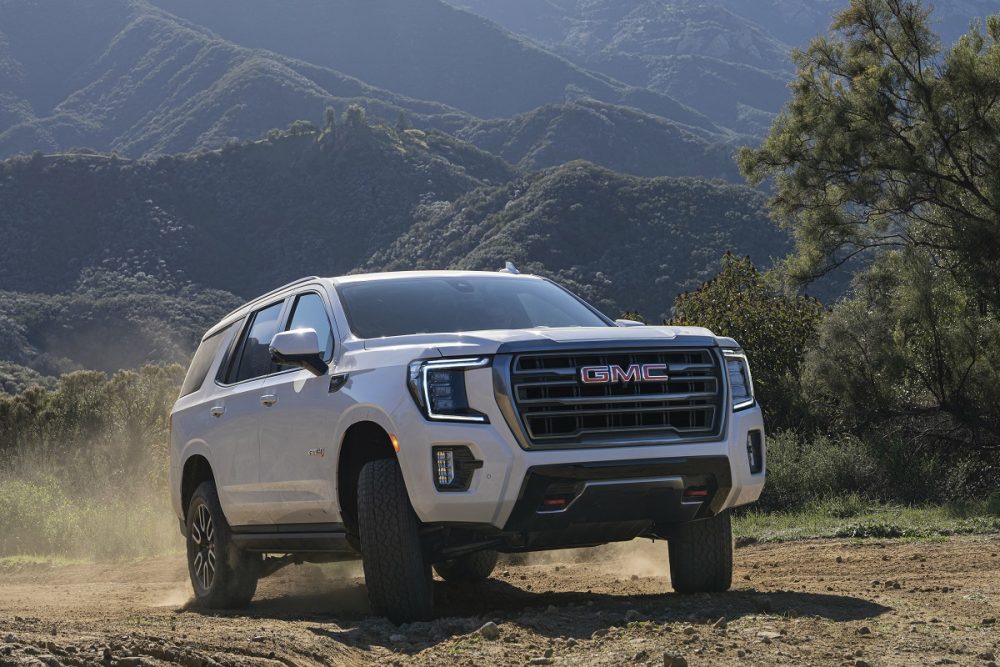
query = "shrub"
x=773 y=328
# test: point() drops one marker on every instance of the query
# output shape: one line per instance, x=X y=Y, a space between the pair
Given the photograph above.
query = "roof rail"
x=264 y=296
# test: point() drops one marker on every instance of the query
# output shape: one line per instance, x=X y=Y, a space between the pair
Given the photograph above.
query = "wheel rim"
x=203 y=537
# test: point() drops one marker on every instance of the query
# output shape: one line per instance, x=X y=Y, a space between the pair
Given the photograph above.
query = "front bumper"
x=591 y=503
x=493 y=498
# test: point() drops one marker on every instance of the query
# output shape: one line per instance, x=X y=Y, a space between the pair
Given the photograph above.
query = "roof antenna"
x=509 y=267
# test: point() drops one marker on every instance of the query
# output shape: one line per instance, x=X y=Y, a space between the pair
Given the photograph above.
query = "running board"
x=311 y=542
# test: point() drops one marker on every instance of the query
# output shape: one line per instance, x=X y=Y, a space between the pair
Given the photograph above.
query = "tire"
x=701 y=555
x=222 y=575
x=468 y=568
x=397 y=573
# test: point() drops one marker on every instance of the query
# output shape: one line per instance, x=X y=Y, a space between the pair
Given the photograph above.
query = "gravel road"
x=815 y=602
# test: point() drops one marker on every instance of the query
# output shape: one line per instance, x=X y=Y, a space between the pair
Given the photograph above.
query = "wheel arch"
x=196 y=470
x=363 y=441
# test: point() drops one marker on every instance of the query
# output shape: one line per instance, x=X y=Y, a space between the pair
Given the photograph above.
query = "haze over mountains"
x=579 y=138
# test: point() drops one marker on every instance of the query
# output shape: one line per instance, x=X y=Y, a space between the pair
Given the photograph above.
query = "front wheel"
x=701 y=555
x=397 y=573
x=222 y=575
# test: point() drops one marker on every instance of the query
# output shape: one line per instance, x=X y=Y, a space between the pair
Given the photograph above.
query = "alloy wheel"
x=203 y=536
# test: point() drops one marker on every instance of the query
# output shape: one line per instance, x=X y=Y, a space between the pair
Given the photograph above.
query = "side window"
x=202 y=361
x=253 y=359
x=309 y=312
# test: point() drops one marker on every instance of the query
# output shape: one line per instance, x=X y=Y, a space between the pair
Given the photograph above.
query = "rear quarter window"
x=202 y=362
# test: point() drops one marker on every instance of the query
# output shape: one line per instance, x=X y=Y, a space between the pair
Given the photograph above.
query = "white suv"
x=434 y=419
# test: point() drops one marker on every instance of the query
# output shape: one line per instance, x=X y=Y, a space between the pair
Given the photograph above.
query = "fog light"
x=454 y=467
x=755 y=452
x=445 y=463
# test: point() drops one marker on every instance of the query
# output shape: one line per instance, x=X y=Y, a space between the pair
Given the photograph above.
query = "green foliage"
x=666 y=236
x=355 y=117
x=110 y=320
x=889 y=143
x=83 y=467
x=910 y=348
x=620 y=138
x=774 y=329
x=243 y=220
x=802 y=470
x=15 y=378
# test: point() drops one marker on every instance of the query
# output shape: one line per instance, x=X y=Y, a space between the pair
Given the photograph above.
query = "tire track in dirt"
x=819 y=602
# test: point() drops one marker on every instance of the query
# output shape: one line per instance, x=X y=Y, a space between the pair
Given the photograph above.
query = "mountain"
x=149 y=253
x=728 y=59
x=425 y=49
x=625 y=243
x=798 y=21
x=701 y=53
x=622 y=139
x=242 y=219
x=108 y=321
x=123 y=75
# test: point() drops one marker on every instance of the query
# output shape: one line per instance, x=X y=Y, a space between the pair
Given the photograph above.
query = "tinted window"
x=202 y=361
x=310 y=313
x=253 y=357
x=400 y=306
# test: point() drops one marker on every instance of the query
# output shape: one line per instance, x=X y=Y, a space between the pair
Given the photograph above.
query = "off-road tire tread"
x=472 y=567
x=397 y=572
x=236 y=571
x=701 y=555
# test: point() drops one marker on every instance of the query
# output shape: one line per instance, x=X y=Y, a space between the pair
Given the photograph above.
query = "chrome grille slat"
x=556 y=408
x=621 y=398
x=575 y=413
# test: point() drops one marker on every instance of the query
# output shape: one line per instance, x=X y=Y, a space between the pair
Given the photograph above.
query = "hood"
x=491 y=342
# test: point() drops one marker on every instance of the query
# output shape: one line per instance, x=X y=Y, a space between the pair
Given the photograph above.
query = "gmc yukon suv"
x=431 y=420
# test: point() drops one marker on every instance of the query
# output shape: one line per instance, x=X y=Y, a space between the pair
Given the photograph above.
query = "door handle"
x=217 y=411
x=268 y=400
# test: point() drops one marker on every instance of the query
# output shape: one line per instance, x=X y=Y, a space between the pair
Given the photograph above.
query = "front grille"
x=556 y=408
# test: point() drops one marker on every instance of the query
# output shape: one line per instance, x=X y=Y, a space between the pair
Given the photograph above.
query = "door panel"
x=297 y=429
x=235 y=442
x=299 y=466
x=233 y=438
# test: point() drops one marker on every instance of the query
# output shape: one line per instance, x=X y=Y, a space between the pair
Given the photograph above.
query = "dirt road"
x=811 y=602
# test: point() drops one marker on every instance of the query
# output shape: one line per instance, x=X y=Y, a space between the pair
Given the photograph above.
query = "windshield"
x=402 y=306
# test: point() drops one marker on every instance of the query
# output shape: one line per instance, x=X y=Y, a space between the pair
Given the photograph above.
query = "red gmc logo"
x=614 y=373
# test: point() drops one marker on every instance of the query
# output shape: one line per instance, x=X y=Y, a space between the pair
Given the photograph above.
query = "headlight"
x=438 y=387
x=740 y=381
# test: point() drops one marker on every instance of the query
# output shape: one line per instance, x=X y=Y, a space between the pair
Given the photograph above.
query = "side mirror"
x=629 y=323
x=299 y=347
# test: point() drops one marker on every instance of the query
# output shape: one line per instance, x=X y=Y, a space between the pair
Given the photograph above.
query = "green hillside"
x=242 y=218
x=623 y=242
x=622 y=139
x=149 y=253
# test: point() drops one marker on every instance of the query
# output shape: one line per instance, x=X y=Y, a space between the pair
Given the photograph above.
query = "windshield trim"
x=350 y=324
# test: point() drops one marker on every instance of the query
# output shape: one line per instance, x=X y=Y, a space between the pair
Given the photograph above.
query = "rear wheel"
x=701 y=555
x=222 y=575
x=470 y=567
x=397 y=573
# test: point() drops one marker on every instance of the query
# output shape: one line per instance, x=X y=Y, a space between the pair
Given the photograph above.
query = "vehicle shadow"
x=340 y=612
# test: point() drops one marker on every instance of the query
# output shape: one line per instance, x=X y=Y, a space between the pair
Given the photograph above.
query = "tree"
x=908 y=352
x=887 y=143
x=773 y=328
x=355 y=117
x=300 y=127
x=330 y=120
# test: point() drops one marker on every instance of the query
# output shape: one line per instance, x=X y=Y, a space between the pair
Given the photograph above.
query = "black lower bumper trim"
x=592 y=503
